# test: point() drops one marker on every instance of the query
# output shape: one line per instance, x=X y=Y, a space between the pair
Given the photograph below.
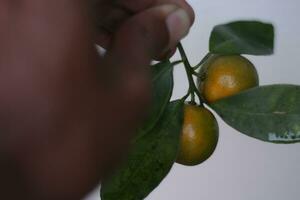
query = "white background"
x=242 y=168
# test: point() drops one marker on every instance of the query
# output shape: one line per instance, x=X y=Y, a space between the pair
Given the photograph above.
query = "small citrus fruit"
x=225 y=75
x=199 y=136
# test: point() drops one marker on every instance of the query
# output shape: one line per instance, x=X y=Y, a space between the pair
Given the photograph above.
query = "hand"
x=110 y=15
x=67 y=114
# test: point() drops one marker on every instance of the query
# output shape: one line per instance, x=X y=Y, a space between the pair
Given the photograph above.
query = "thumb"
x=135 y=44
x=148 y=35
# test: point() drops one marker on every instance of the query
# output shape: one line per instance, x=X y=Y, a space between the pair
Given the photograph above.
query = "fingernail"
x=178 y=23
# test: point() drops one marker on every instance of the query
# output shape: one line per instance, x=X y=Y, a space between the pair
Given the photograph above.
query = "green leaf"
x=242 y=37
x=162 y=87
x=150 y=159
x=268 y=113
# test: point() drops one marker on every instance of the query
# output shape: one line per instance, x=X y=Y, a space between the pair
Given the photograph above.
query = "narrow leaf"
x=242 y=37
x=268 y=113
x=150 y=159
x=162 y=87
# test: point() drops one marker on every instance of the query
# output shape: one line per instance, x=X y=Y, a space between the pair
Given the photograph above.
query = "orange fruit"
x=225 y=75
x=199 y=136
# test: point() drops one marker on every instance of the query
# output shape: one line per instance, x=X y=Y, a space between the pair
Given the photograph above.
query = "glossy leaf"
x=162 y=87
x=150 y=159
x=269 y=113
x=242 y=37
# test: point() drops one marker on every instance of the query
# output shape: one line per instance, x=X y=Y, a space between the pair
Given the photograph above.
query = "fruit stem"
x=193 y=97
x=196 y=74
x=176 y=62
x=202 y=61
x=189 y=72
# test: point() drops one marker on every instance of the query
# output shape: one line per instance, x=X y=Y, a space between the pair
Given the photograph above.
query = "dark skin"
x=67 y=114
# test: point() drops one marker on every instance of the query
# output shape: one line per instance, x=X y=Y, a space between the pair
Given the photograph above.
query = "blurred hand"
x=66 y=114
x=109 y=15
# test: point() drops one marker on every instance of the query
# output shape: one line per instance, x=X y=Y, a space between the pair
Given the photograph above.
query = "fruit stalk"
x=189 y=72
x=205 y=58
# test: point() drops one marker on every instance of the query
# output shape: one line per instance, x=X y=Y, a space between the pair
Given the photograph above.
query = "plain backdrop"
x=242 y=168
